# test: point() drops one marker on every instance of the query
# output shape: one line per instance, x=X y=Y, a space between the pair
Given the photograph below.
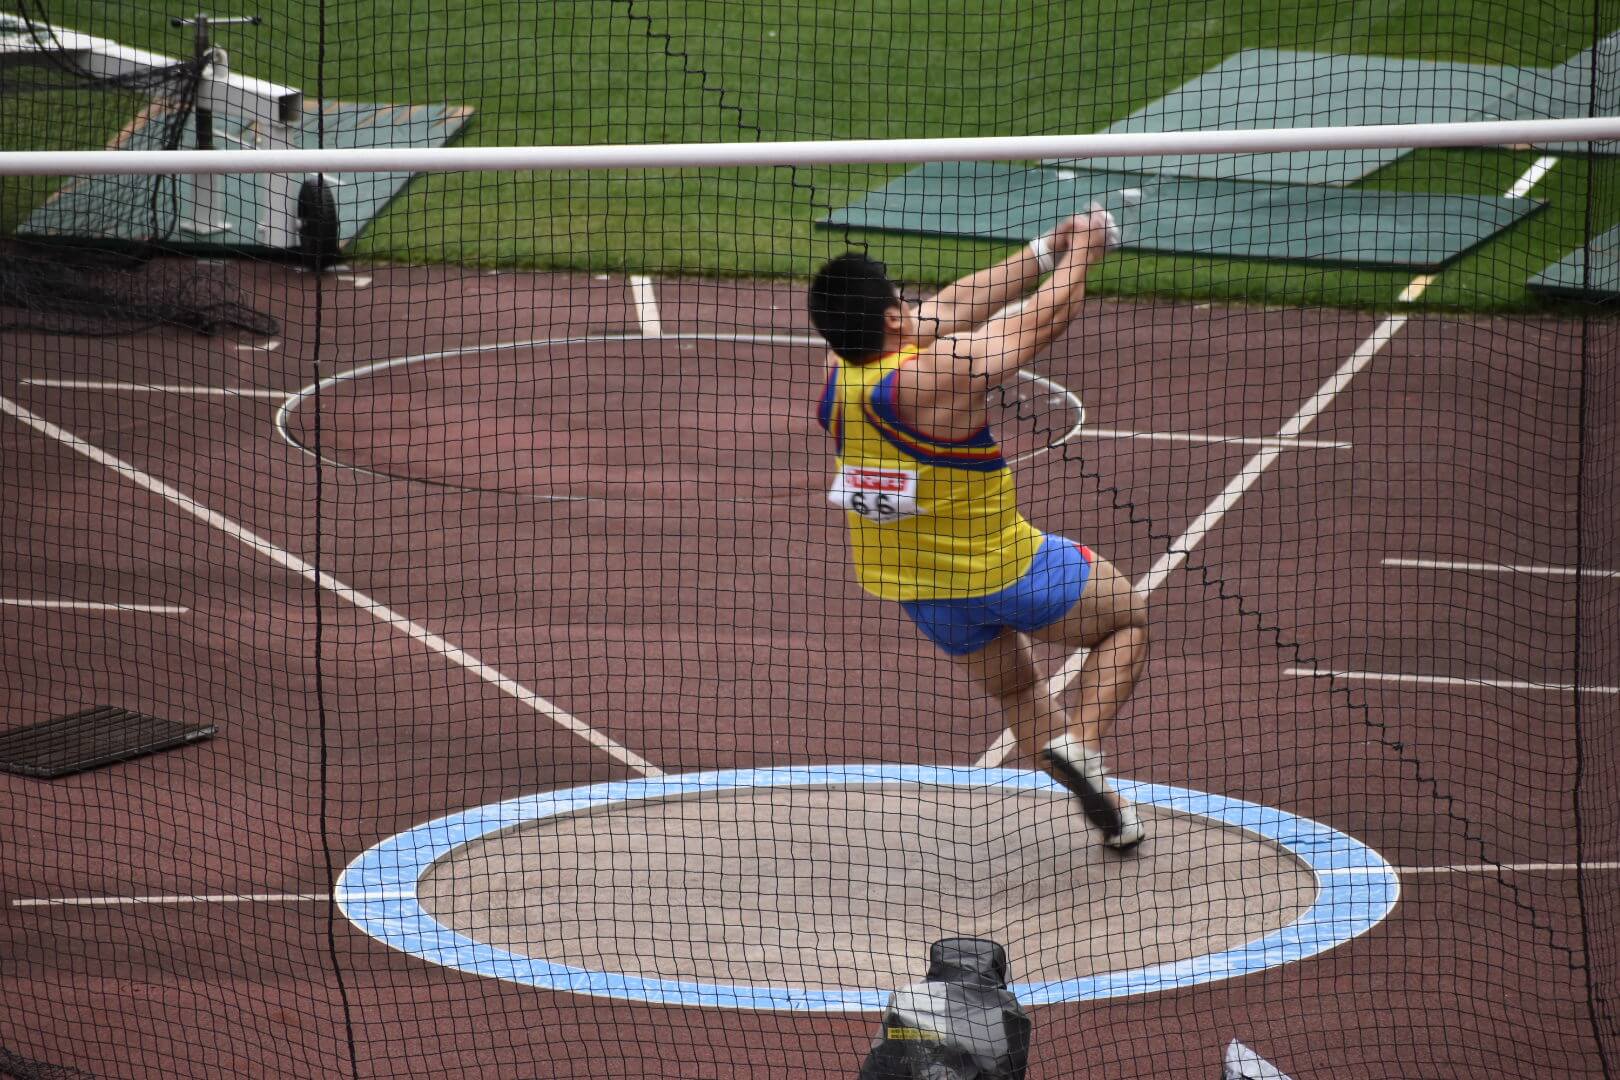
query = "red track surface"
x=689 y=599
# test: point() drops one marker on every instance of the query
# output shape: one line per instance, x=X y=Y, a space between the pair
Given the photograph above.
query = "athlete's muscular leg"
x=1005 y=669
x=1113 y=626
x=1110 y=619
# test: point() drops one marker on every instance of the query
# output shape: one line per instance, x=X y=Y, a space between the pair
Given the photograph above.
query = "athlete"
x=932 y=514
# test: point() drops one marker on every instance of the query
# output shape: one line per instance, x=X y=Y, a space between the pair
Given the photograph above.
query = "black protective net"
x=466 y=624
x=67 y=285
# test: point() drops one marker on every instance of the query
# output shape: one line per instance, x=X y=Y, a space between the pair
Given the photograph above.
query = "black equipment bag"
x=960 y=1023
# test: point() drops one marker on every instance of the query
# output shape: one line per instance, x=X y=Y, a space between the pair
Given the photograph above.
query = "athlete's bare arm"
x=968 y=303
x=943 y=390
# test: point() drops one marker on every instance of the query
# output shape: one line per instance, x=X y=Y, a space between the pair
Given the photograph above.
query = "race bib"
x=878 y=495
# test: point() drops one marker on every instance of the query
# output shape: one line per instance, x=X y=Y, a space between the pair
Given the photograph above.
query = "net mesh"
x=48 y=77
x=554 y=729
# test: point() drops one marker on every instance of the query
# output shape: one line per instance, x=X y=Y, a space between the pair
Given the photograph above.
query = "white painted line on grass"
x=646 y=300
x=1446 y=680
x=1183 y=545
x=1499 y=568
x=156 y=388
x=1521 y=187
x=380 y=612
x=88 y=605
x=1418 y=286
x=1532 y=176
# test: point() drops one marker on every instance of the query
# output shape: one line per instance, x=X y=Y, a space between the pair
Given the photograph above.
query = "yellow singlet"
x=929 y=519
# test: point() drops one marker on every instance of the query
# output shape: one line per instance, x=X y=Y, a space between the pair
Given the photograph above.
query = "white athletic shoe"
x=1131 y=832
x=1080 y=769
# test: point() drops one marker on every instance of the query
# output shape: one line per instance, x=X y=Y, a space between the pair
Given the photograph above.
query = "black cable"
x=323 y=718
x=1594 y=992
x=689 y=66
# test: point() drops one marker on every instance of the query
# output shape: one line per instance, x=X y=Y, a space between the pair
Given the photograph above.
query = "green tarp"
x=1270 y=88
x=1191 y=216
x=1568 y=277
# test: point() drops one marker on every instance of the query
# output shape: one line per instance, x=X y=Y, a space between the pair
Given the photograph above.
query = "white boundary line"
x=289 y=561
x=1415 y=288
x=1318 y=402
x=155 y=388
x=1273 y=441
x=1446 y=680
x=291 y=400
x=179 y=899
x=1498 y=568
x=1532 y=176
x=91 y=605
x=208 y=898
x=1183 y=545
x=1080 y=430
x=1492 y=868
x=1070 y=398
x=646 y=301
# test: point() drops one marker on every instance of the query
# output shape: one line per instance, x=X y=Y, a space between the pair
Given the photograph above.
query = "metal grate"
x=89 y=739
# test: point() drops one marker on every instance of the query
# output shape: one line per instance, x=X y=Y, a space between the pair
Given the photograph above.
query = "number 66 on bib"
x=878 y=495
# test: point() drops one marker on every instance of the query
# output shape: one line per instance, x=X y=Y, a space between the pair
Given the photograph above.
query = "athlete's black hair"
x=848 y=298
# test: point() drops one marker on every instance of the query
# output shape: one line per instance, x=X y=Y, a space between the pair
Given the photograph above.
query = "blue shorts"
x=1045 y=593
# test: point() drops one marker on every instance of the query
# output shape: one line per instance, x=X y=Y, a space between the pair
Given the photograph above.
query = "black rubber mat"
x=18 y=1067
x=89 y=739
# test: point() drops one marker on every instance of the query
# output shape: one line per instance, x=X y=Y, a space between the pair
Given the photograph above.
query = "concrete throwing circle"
x=609 y=416
x=820 y=888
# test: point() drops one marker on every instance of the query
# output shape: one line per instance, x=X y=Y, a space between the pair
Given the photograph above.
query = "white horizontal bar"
x=1442 y=680
x=1499 y=568
x=88 y=605
x=212 y=898
x=157 y=388
x=808 y=152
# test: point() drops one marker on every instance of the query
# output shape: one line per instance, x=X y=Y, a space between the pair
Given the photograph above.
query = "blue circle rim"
x=1356 y=889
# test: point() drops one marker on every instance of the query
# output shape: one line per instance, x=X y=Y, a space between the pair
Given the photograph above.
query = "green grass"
x=57 y=121
x=616 y=71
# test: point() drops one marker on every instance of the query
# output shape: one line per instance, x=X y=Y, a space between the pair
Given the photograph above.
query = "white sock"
x=1086 y=761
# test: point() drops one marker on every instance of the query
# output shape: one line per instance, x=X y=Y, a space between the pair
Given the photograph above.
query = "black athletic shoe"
x=1080 y=769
